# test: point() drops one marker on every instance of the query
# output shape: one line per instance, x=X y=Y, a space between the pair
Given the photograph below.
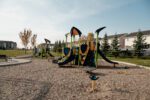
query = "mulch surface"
x=42 y=80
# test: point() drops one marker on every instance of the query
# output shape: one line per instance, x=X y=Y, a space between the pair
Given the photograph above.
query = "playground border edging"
x=16 y=62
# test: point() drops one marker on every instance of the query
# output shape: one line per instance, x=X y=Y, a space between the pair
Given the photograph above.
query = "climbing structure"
x=86 y=52
x=48 y=48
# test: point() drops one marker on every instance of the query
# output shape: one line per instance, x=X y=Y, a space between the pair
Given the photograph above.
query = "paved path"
x=14 y=61
x=131 y=64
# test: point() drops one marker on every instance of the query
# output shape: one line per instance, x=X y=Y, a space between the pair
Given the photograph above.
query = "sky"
x=52 y=19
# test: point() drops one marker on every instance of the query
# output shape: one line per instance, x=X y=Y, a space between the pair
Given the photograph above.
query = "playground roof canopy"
x=74 y=31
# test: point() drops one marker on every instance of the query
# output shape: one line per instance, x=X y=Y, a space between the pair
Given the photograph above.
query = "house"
x=126 y=40
x=43 y=45
x=5 y=45
x=131 y=37
x=121 y=39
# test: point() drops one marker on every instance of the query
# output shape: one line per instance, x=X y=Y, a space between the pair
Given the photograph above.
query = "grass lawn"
x=2 y=60
x=139 y=61
x=56 y=54
x=14 y=53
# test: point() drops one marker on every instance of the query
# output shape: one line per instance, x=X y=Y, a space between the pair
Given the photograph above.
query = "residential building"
x=126 y=40
x=121 y=40
x=43 y=45
x=7 y=45
x=131 y=37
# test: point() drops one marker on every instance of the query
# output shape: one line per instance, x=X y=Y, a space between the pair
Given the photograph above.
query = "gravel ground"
x=42 y=80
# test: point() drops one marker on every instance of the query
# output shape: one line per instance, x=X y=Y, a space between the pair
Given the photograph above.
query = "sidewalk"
x=131 y=64
x=14 y=61
x=24 y=56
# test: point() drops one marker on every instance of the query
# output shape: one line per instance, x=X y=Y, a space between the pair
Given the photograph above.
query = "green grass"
x=14 y=53
x=2 y=60
x=139 y=61
x=56 y=53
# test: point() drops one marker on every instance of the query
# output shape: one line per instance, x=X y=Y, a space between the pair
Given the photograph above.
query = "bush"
x=145 y=57
x=43 y=52
x=126 y=53
x=115 y=53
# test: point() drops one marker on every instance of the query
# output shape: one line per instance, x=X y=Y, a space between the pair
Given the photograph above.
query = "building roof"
x=7 y=41
x=112 y=36
x=147 y=32
x=119 y=35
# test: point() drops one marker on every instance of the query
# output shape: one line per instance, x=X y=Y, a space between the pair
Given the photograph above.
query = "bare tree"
x=33 y=43
x=33 y=40
x=25 y=37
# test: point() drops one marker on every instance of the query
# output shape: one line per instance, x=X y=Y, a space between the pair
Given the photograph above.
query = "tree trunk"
x=25 y=50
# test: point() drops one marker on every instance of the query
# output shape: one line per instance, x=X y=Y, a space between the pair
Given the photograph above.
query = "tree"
x=138 y=43
x=115 y=46
x=25 y=36
x=33 y=40
x=63 y=44
x=55 y=46
x=33 y=43
x=59 y=46
x=105 y=44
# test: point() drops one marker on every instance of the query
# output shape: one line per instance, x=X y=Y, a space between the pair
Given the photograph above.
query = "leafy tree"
x=63 y=43
x=59 y=43
x=55 y=46
x=138 y=43
x=115 y=46
x=25 y=36
x=33 y=40
x=59 y=46
x=33 y=43
x=43 y=52
x=105 y=44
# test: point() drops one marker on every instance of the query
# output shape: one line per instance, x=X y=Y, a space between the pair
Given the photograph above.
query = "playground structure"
x=43 y=50
x=85 y=52
x=47 y=47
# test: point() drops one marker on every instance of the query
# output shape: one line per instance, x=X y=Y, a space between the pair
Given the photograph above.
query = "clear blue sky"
x=53 y=18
